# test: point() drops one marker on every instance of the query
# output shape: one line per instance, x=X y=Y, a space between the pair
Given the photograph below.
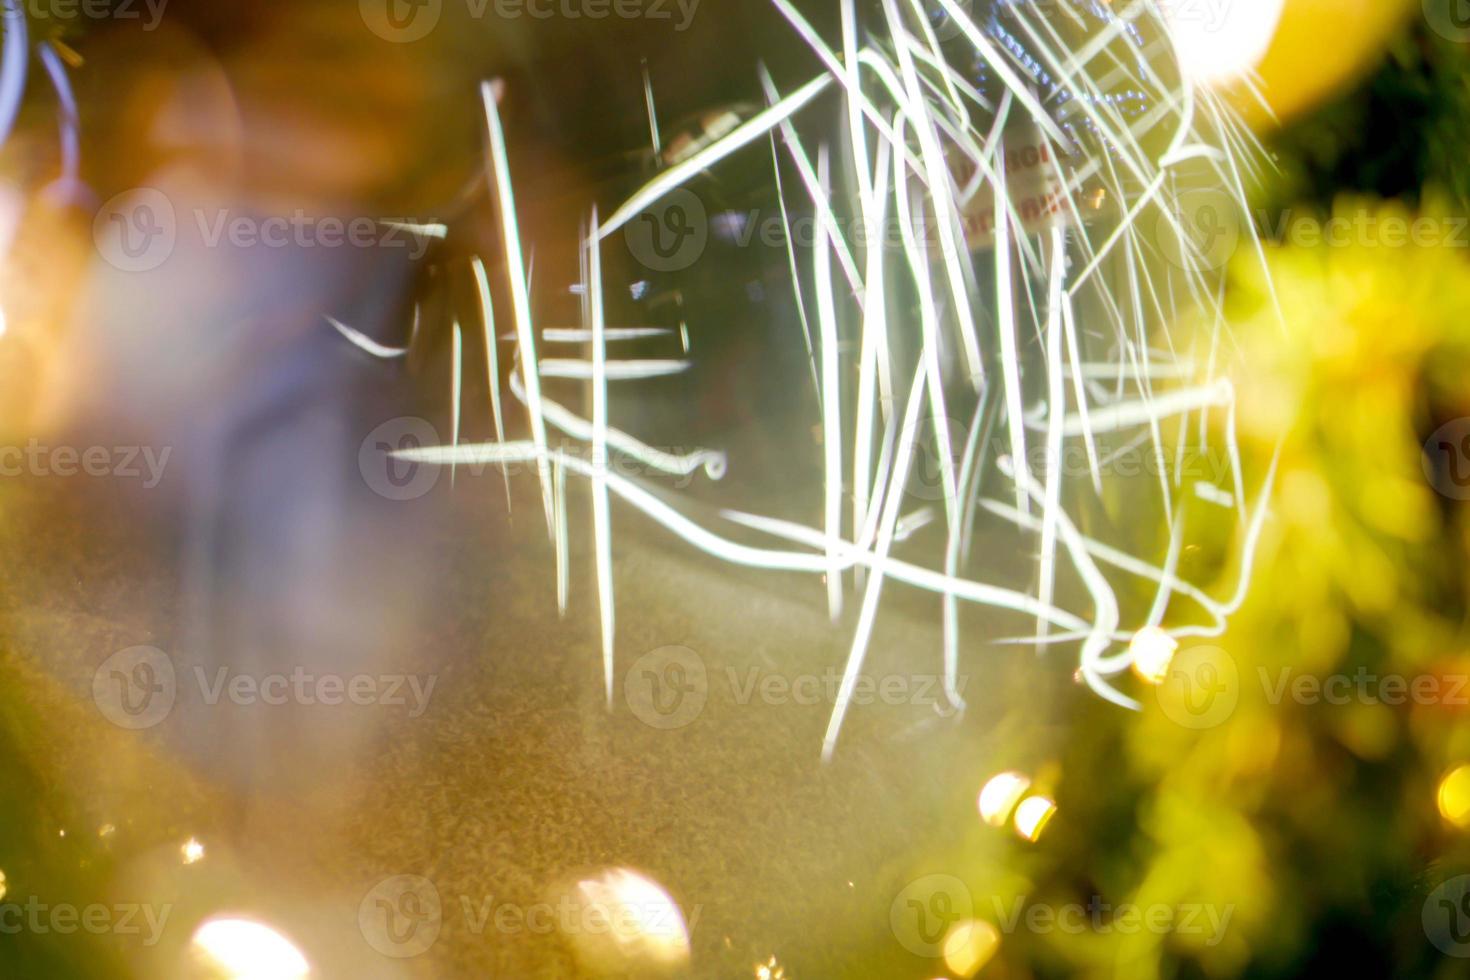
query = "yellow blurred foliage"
x=1300 y=70
x=1355 y=356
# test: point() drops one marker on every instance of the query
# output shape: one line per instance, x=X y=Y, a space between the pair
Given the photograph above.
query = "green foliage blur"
x=1308 y=811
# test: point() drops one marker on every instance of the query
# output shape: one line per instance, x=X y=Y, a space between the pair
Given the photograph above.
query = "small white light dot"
x=1153 y=651
x=1219 y=43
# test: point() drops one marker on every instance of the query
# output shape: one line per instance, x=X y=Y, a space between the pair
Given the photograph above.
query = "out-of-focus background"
x=195 y=500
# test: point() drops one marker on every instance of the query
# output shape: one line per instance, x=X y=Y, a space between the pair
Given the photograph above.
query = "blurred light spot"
x=1254 y=744
x=729 y=226
x=1153 y=652
x=1369 y=730
x=646 y=923
x=3 y=887
x=244 y=950
x=969 y=946
x=1000 y=796
x=106 y=830
x=1032 y=816
x=770 y=970
x=1219 y=43
x=192 y=851
x=1454 y=797
x=4 y=322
